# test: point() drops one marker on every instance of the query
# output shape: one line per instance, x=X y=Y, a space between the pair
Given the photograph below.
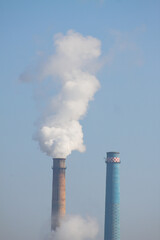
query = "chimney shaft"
x=112 y=207
x=58 y=192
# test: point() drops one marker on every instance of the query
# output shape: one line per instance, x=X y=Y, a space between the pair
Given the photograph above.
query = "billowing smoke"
x=76 y=228
x=74 y=64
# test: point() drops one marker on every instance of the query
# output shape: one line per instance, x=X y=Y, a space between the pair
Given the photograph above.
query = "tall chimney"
x=112 y=205
x=58 y=192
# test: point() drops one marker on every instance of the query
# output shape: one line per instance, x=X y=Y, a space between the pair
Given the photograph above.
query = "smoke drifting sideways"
x=74 y=64
x=77 y=228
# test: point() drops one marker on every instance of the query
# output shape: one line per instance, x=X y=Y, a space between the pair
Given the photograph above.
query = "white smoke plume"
x=73 y=64
x=60 y=132
x=76 y=228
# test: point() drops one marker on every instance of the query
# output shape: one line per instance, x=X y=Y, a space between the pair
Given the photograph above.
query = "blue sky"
x=124 y=116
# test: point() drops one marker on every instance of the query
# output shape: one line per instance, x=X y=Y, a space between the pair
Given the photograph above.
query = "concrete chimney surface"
x=58 y=192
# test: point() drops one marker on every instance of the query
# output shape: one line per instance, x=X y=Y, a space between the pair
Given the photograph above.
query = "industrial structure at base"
x=58 y=192
x=112 y=205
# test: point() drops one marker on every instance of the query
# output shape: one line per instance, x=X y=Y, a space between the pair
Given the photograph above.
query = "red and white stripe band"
x=113 y=159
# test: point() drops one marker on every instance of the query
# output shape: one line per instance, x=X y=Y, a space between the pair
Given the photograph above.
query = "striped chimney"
x=112 y=205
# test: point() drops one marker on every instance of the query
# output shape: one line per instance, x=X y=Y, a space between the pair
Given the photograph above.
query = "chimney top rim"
x=59 y=159
x=114 y=152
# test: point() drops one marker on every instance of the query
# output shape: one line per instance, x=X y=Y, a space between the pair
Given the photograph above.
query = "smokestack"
x=58 y=192
x=112 y=207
